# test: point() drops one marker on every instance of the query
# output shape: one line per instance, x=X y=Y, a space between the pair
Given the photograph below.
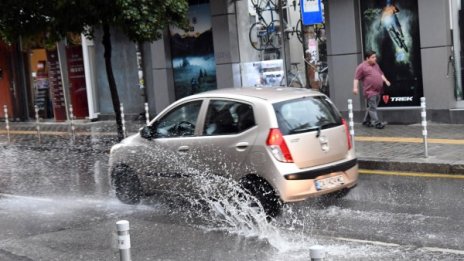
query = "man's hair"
x=368 y=54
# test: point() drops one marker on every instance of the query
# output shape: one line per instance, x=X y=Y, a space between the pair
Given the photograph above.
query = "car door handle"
x=242 y=145
x=183 y=149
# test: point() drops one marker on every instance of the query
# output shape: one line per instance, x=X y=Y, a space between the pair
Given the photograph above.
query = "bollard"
x=36 y=108
x=123 y=121
x=424 y=125
x=147 y=114
x=317 y=253
x=7 y=123
x=350 y=116
x=124 y=240
x=71 y=118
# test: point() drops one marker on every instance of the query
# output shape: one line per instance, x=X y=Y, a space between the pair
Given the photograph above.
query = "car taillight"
x=275 y=141
x=348 y=136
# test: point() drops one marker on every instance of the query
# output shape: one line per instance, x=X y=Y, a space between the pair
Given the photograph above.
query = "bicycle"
x=263 y=35
x=291 y=30
x=294 y=75
x=321 y=74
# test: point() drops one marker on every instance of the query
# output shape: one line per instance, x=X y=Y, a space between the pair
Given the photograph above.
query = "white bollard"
x=317 y=253
x=147 y=114
x=124 y=244
x=123 y=121
x=71 y=118
x=7 y=123
x=424 y=125
x=37 y=126
x=350 y=116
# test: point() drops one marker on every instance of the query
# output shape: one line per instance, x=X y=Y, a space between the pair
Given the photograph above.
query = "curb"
x=426 y=167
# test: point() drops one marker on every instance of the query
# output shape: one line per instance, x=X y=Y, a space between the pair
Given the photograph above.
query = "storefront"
x=43 y=87
x=415 y=49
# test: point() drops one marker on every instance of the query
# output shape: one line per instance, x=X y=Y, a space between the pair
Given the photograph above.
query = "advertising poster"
x=391 y=29
x=263 y=73
x=193 y=54
x=77 y=86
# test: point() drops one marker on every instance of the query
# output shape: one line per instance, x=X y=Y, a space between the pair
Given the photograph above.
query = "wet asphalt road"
x=58 y=205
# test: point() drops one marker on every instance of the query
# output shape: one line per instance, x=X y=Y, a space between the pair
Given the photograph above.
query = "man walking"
x=372 y=79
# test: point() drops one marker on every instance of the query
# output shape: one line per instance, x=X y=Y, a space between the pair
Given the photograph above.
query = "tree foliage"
x=139 y=20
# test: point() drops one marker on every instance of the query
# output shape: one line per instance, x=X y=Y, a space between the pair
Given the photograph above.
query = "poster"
x=77 y=85
x=262 y=73
x=193 y=60
x=391 y=29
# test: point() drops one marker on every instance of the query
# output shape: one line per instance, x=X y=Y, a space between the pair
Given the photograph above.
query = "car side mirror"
x=146 y=132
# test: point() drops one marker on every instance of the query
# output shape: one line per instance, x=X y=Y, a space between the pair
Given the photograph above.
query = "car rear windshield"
x=306 y=114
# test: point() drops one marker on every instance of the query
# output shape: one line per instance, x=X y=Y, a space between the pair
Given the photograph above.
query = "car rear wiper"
x=303 y=128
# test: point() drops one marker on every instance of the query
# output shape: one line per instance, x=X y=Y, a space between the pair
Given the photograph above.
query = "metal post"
x=5 y=110
x=350 y=116
x=124 y=240
x=317 y=253
x=71 y=118
x=37 y=126
x=147 y=114
x=424 y=125
x=123 y=121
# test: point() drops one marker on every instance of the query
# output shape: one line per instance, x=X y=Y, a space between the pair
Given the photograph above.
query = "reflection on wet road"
x=58 y=205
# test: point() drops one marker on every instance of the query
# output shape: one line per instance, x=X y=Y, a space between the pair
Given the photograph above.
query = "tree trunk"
x=112 y=83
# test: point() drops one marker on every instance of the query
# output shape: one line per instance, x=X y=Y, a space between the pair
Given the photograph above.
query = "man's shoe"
x=367 y=124
x=380 y=125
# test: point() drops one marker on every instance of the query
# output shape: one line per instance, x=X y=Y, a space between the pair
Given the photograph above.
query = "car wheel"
x=127 y=185
x=264 y=193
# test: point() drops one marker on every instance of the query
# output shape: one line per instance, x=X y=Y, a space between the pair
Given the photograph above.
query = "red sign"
x=77 y=87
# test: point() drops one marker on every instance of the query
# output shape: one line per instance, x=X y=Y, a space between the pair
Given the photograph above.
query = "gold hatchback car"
x=281 y=144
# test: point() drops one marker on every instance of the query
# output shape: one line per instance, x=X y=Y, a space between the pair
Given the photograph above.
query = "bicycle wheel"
x=298 y=31
x=294 y=81
x=262 y=4
x=258 y=35
x=273 y=31
x=324 y=82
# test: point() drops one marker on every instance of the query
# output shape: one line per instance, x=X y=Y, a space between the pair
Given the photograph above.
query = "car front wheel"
x=127 y=185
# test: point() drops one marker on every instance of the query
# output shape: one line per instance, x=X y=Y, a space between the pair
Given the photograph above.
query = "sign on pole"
x=311 y=12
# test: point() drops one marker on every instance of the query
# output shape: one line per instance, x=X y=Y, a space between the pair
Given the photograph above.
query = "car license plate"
x=328 y=183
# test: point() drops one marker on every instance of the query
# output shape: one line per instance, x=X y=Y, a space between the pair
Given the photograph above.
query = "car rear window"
x=306 y=114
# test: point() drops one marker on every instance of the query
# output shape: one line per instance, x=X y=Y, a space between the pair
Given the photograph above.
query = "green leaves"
x=140 y=20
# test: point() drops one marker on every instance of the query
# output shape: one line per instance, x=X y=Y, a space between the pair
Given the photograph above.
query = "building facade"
x=241 y=44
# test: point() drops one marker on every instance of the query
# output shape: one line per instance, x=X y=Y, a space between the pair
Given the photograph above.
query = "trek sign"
x=391 y=29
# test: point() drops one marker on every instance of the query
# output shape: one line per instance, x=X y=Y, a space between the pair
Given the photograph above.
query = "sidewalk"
x=397 y=147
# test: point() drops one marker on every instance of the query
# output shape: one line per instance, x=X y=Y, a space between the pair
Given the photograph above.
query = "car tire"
x=264 y=193
x=126 y=185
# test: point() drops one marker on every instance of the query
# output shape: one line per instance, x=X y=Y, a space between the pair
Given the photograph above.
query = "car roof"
x=271 y=94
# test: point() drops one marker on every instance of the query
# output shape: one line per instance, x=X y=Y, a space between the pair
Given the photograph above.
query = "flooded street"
x=58 y=205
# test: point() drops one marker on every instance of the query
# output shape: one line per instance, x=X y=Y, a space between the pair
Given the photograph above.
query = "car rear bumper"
x=300 y=186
